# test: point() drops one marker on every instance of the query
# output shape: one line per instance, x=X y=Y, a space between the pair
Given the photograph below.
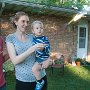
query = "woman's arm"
x=20 y=58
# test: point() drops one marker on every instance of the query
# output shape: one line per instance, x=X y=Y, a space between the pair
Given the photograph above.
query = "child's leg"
x=36 y=70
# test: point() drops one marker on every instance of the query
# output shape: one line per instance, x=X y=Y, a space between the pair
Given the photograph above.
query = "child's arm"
x=47 y=47
x=46 y=63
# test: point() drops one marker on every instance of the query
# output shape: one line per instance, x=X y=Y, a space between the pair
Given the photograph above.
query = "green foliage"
x=83 y=61
x=85 y=2
x=8 y=66
x=78 y=59
x=57 y=61
x=61 y=3
x=74 y=5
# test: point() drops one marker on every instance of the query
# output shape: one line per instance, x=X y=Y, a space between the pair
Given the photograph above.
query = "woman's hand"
x=46 y=63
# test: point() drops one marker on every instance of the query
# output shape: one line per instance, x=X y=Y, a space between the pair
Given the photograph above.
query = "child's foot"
x=39 y=85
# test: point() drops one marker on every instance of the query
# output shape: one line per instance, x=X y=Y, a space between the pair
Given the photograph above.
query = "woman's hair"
x=16 y=17
x=35 y=22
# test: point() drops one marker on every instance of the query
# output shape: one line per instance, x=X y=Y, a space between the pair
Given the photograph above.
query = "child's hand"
x=45 y=63
x=39 y=46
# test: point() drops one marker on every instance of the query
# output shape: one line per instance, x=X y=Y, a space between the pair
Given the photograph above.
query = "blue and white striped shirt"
x=45 y=53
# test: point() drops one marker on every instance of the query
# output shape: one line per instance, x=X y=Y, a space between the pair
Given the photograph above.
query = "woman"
x=21 y=51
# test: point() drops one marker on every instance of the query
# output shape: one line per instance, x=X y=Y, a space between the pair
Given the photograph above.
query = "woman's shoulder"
x=10 y=37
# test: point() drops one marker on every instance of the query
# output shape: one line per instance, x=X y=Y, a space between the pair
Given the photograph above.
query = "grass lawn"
x=75 y=78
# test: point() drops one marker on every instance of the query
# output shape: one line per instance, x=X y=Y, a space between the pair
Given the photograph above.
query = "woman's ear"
x=15 y=23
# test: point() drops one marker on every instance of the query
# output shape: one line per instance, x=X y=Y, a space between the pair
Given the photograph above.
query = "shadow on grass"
x=75 y=78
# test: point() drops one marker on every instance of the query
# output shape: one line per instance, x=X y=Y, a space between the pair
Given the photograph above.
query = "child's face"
x=38 y=29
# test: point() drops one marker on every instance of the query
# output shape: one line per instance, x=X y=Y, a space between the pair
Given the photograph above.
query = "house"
x=70 y=38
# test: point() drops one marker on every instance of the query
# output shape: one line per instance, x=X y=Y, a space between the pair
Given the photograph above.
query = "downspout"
x=1 y=11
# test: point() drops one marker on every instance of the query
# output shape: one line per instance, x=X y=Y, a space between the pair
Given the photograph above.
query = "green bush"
x=8 y=66
x=78 y=59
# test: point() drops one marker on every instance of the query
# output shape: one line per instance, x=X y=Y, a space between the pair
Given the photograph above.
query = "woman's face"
x=37 y=29
x=22 y=23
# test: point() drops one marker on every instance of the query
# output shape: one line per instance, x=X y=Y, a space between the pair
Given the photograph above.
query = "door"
x=82 y=41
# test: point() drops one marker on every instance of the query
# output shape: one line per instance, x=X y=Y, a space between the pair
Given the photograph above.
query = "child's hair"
x=35 y=22
x=16 y=17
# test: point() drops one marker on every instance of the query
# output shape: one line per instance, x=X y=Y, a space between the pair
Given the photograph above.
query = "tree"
x=76 y=4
